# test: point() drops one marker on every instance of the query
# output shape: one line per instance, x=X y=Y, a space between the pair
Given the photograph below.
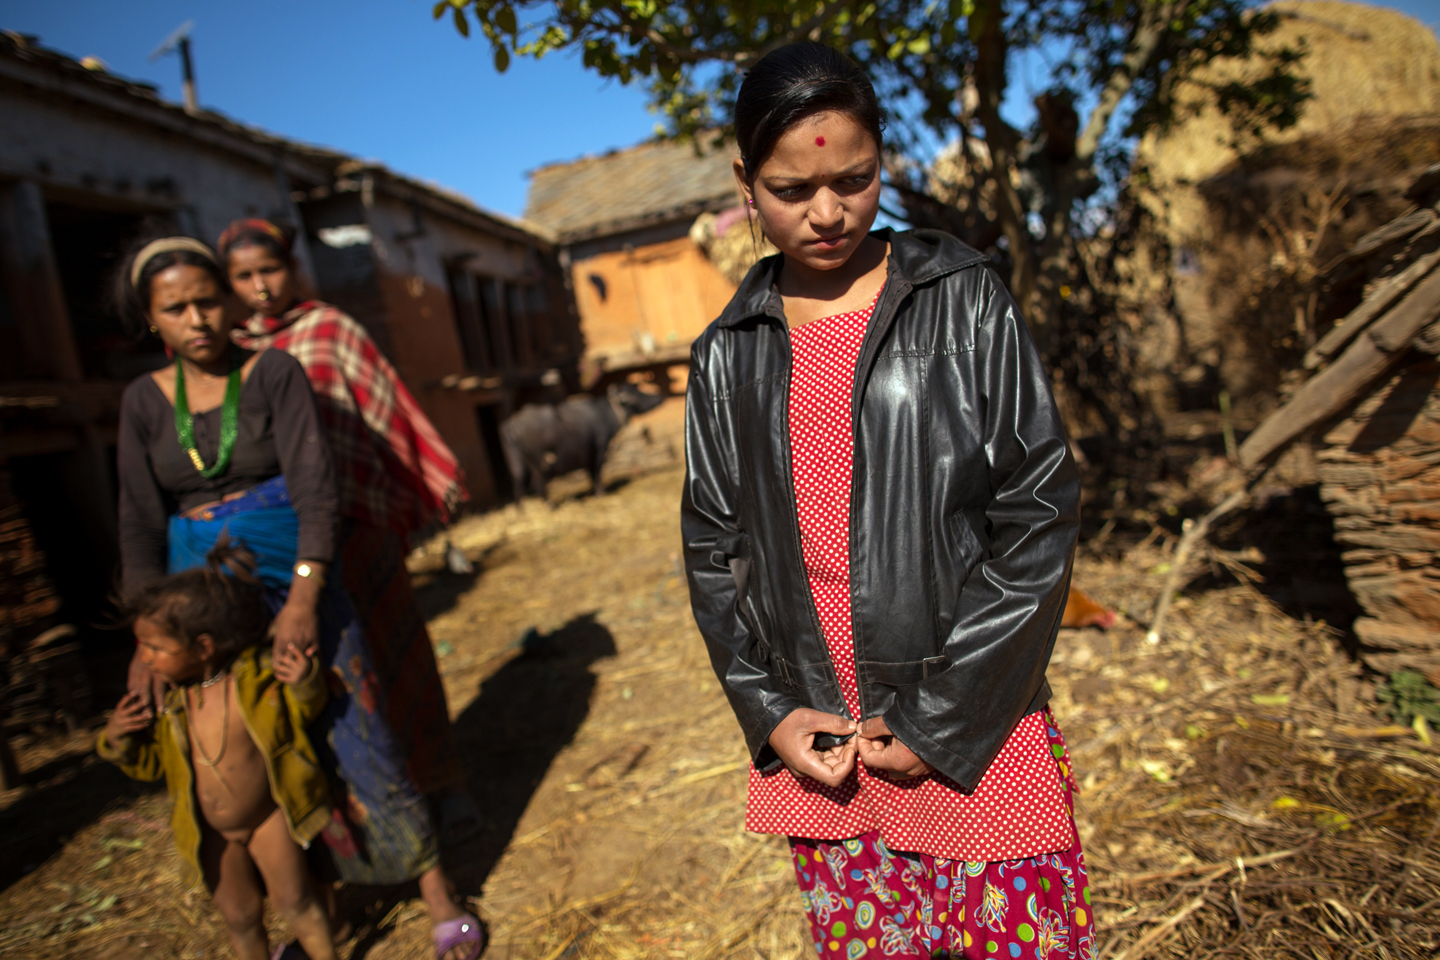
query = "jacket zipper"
x=880 y=323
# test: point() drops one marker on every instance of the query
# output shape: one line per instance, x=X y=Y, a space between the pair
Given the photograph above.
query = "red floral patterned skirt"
x=865 y=900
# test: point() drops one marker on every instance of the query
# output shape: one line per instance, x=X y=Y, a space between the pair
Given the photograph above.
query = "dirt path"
x=610 y=773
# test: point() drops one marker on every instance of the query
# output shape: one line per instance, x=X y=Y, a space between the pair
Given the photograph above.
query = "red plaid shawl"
x=391 y=466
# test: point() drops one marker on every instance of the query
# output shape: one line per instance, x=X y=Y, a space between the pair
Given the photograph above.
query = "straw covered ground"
x=1239 y=799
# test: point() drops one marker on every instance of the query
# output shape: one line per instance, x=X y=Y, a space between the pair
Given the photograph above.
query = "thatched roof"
x=1232 y=234
x=1360 y=60
x=646 y=185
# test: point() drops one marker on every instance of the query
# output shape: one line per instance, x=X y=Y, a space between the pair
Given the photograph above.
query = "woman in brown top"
x=255 y=465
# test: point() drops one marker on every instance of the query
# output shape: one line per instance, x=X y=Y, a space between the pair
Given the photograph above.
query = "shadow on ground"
x=524 y=715
x=438 y=590
x=1302 y=571
x=71 y=792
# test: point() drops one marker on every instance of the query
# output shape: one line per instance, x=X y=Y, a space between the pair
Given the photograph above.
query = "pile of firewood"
x=43 y=682
x=1372 y=409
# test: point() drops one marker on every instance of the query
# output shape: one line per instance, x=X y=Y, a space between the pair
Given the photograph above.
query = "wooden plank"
x=1391 y=233
x=1371 y=307
x=1392 y=538
x=1413 y=313
x=1397 y=636
x=1344 y=381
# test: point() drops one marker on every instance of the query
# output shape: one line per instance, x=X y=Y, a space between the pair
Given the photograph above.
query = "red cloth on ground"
x=1018 y=809
x=391 y=466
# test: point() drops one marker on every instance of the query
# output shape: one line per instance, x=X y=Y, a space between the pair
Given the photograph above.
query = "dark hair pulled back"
x=278 y=240
x=792 y=83
x=221 y=598
x=131 y=301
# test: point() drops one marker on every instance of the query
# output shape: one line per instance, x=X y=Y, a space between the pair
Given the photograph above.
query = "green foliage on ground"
x=1407 y=695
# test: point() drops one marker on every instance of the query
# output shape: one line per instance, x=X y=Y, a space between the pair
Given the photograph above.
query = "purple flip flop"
x=450 y=934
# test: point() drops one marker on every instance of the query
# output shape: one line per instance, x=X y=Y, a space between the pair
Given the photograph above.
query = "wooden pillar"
x=37 y=301
x=27 y=263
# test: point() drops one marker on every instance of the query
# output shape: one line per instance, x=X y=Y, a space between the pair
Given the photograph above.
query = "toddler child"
x=247 y=790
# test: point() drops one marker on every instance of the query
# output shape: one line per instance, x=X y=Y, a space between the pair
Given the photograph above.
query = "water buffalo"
x=544 y=441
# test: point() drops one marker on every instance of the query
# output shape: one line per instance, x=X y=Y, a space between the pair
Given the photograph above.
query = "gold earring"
x=154 y=329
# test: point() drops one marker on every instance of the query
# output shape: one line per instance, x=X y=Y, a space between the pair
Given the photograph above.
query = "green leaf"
x=505 y=19
x=439 y=10
x=126 y=843
x=502 y=59
x=1270 y=699
x=461 y=23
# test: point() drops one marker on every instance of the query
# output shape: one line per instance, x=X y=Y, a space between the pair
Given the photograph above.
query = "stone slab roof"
x=645 y=185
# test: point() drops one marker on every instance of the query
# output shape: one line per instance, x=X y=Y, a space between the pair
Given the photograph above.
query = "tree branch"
x=988 y=36
x=822 y=17
x=1142 y=48
x=638 y=32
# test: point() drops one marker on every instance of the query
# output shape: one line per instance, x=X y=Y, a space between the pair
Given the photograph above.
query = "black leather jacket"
x=963 y=512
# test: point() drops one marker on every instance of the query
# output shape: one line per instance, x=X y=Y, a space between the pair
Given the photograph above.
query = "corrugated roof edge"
x=28 y=48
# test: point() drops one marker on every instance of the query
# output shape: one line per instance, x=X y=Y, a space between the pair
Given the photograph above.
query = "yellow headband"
x=167 y=245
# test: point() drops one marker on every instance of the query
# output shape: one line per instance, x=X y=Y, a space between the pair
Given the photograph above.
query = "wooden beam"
x=1340 y=384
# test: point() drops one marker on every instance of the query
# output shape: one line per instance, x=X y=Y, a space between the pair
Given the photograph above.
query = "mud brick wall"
x=1380 y=477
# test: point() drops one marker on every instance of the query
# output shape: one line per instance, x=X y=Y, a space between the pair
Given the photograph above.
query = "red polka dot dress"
x=1020 y=807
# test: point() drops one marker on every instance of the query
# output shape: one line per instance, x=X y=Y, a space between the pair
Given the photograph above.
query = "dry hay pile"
x=1235 y=232
x=1240 y=799
x=732 y=244
x=611 y=775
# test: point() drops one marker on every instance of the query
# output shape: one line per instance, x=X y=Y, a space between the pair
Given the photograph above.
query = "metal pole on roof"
x=179 y=41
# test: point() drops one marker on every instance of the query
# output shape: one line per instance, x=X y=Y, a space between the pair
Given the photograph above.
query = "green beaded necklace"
x=229 y=422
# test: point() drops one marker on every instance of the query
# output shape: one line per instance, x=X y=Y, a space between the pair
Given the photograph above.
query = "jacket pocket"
x=900 y=673
x=733 y=552
x=803 y=676
x=972 y=540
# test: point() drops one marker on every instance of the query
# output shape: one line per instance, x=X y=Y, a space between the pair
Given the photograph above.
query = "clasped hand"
x=296 y=625
x=872 y=743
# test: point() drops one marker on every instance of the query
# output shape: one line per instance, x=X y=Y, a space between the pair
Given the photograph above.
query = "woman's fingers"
x=794 y=740
x=816 y=721
x=839 y=760
x=875 y=728
x=880 y=749
x=811 y=765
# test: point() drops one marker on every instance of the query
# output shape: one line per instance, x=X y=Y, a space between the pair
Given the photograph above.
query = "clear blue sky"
x=375 y=78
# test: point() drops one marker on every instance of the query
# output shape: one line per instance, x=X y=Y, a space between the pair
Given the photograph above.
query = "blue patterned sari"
x=385 y=835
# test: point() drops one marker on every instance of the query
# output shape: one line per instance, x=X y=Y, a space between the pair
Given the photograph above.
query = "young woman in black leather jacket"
x=879 y=518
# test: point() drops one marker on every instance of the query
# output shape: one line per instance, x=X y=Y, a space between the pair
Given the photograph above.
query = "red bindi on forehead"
x=819 y=141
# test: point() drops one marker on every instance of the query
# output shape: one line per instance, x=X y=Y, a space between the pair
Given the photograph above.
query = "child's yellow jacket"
x=276 y=716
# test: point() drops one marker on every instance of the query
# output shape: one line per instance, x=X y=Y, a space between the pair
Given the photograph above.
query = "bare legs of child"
x=234 y=871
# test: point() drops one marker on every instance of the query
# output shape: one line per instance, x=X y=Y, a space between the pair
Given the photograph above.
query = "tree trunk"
x=987 y=31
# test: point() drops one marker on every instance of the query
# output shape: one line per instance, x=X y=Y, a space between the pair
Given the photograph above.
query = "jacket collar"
x=916 y=256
